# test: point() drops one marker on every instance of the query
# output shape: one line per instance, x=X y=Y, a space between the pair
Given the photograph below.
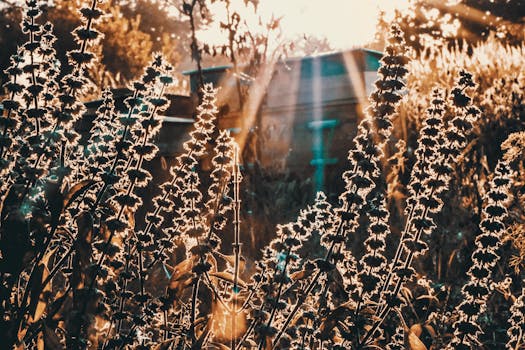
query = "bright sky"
x=345 y=23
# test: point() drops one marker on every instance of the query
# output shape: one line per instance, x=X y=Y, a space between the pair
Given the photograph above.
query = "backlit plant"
x=81 y=270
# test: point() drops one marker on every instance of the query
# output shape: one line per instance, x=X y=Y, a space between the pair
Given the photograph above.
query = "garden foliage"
x=79 y=272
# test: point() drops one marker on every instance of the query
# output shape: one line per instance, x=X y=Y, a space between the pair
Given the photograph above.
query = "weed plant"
x=78 y=273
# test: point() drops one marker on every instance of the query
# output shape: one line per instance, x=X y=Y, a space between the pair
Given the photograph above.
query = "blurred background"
x=294 y=78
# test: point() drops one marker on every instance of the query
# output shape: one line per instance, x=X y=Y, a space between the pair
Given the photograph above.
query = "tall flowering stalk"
x=59 y=140
x=373 y=132
x=30 y=102
x=140 y=149
x=194 y=148
x=431 y=137
x=485 y=258
x=200 y=222
x=516 y=331
x=281 y=270
x=429 y=185
x=101 y=150
x=486 y=254
x=10 y=121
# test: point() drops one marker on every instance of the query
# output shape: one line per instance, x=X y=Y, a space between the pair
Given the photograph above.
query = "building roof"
x=372 y=64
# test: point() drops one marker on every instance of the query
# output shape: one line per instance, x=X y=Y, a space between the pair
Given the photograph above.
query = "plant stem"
x=236 y=242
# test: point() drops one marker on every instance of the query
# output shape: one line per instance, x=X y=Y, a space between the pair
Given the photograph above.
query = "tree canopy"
x=465 y=21
x=133 y=31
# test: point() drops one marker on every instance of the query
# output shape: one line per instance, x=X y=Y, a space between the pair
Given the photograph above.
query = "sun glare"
x=344 y=23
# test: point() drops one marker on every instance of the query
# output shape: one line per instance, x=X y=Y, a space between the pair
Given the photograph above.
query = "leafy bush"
x=77 y=272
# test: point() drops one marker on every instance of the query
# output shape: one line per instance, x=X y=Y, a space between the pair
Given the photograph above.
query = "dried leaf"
x=42 y=299
x=35 y=288
x=40 y=345
x=430 y=330
x=417 y=329
x=300 y=275
x=202 y=337
x=414 y=343
x=165 y=345
x=181 y=278
x=58 y=306
x=221 y=325
x=76 y=191
x=230 y=259
x=182 y=270
x=228 y=277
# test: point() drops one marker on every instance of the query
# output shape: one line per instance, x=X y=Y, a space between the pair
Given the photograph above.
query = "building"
x=304 y=121
x=308 y=114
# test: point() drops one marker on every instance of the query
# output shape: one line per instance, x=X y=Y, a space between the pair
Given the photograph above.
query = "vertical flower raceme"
x=139 y=149
x=442 y=147
x=431 y=137
x=373 y=132
x=279 y=271
x=51 y=70
x=33 y=93
x=100 y=150
x=218 y=203
x=194 y=148
x=438 y=154
x=200 y=218
x=364 y=185
x=516 y=331
x=10 y=121
x=373 y=264
x=390 y=83
x=134 y=146
x=429 y=140
x=61 y=138
x=485 y=257
x=34 y=77
x=127 y=130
